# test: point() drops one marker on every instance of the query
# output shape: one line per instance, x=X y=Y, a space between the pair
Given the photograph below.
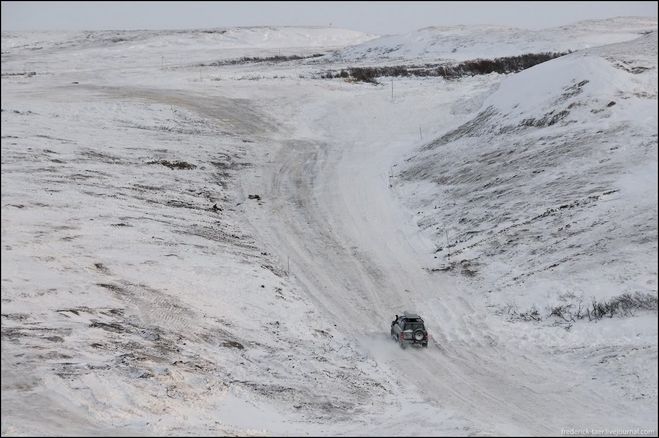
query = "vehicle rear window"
x=411 y=325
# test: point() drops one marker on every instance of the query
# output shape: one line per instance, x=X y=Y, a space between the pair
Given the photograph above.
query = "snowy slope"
x=458 y=43
x=119 y=277
x=547 y=196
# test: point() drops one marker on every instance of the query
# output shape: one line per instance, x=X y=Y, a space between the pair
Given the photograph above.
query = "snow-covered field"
x=194 y=249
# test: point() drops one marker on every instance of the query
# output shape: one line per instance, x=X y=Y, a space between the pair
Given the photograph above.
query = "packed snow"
x=192 y=247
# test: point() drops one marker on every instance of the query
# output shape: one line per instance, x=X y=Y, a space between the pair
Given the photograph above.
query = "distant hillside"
x=469 y=42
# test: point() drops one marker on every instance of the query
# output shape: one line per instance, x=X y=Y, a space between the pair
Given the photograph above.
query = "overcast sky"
x=373 y=17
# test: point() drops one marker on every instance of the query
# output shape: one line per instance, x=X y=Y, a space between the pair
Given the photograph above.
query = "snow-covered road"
x=331 y=213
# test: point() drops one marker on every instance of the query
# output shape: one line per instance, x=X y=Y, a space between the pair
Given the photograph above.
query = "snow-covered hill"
x=135 y=298
x=458 y=43
x=547 y=196
x=219 y=249
x=168 y=48
x=264 y=37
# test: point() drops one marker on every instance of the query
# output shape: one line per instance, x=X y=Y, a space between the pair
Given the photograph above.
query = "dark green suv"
x=409 y=329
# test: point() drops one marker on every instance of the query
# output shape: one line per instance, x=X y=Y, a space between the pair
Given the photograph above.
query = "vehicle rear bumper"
x=414 y=342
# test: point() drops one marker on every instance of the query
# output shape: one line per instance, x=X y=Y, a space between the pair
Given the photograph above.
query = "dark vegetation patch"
x=217 y=31
x=251 y=60
x=109 y=311
x=628 y=67
x=143 y=187
x=101 y=268
x=225 y=165
x=22 y=113
x=278 y=272
x=233 y=344
x=112 y=287
x=15 y=316
x=17 y=333
x=621 y=306
x=468 y=268
x=111 y=327
x=548 y=119
x=182 y=204
x=174 y=164
x=507 y=64
x=28 y=74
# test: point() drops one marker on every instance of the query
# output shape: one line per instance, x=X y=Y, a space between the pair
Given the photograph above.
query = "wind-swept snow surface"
x=459 y=43
x=198 y=247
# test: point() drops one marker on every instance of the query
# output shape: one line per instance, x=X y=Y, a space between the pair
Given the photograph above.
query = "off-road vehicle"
x=409 y=329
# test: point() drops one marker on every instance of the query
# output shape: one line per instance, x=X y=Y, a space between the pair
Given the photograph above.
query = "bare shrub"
x=513 y=313
x=256 y=59
x=531 y=315
x=621 y=306
x=174 y=164
x=508 y=64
